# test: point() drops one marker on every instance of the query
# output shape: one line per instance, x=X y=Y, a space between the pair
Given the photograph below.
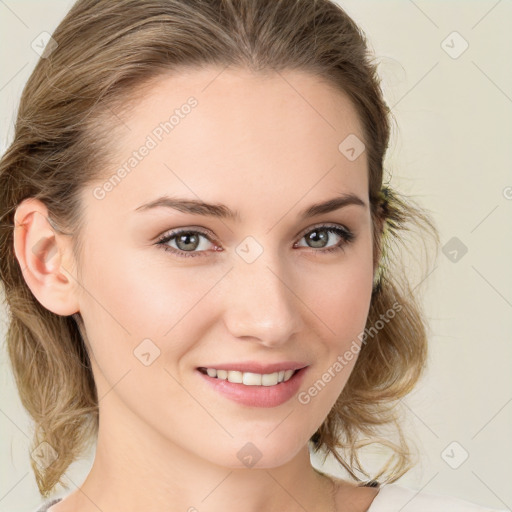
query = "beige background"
x=453 y=152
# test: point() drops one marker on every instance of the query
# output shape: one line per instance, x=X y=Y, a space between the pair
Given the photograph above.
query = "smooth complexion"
x=266 y=147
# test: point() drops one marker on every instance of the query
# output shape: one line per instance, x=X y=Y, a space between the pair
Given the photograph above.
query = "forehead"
x=217 y=133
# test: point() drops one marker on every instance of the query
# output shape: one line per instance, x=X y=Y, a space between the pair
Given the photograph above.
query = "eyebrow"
x=221 y=211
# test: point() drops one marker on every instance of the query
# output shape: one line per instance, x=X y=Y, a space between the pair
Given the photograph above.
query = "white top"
x=394 y=498
x=398 y=498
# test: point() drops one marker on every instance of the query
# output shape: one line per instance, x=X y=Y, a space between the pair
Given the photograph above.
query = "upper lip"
x=255 y=367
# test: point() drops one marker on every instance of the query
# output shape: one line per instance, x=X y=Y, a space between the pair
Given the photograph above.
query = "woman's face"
x=250 y=282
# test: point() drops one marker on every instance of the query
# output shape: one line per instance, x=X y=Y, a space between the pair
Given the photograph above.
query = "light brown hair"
x=108 y=50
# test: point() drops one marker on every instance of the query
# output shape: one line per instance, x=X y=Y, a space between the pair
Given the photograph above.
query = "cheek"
x=133 y=298
x=339 y=295
x=343 y=310
x=138 y=326
x=138 y=291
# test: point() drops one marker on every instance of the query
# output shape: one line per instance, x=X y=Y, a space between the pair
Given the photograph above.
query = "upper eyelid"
x=323 y=225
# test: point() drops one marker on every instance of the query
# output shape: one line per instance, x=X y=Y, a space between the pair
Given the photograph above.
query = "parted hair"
x=105 y=53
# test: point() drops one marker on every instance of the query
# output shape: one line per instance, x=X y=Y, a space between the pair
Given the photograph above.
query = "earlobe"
x=40 y=251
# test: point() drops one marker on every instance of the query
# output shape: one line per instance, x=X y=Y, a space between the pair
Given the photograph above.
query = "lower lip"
x=257 y=396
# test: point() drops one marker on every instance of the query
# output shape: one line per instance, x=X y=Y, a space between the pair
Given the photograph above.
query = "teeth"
x=251 y=379
x=212 y=372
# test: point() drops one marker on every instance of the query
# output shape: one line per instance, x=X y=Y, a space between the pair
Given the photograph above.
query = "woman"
x=198 y=260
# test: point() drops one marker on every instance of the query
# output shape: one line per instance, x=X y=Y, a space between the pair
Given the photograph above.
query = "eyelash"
x=346 y=235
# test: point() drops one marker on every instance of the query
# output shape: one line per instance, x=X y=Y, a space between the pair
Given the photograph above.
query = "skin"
x=260 y=146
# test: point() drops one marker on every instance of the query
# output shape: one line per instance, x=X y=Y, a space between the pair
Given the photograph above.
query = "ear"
x=44 y=256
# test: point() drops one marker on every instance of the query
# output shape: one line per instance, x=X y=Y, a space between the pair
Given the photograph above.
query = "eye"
x=186 y=241
x=190 y=243
x=319 y=236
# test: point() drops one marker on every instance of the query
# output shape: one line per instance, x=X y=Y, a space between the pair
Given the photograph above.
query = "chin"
x=259 y=451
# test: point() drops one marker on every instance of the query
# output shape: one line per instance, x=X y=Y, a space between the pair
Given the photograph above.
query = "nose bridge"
x=261 y=301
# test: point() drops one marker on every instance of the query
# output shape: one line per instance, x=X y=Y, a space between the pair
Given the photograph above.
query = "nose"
x=261 y=303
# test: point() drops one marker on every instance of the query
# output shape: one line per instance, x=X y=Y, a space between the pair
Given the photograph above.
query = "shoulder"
x=47 y=504
x=392 y=497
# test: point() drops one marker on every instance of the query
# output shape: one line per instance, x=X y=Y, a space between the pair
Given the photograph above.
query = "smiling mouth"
x=250 y=378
